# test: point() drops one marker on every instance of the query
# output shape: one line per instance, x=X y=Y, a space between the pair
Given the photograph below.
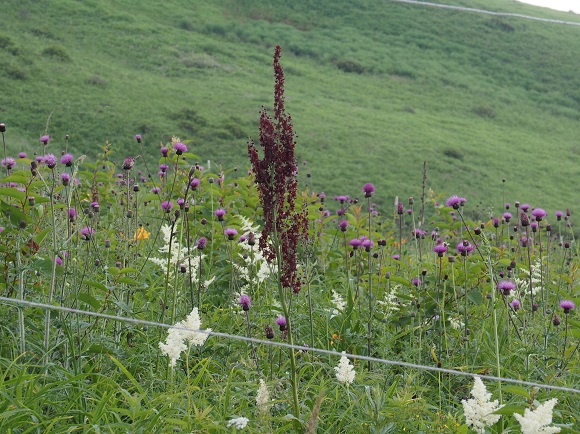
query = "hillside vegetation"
x=374 y=88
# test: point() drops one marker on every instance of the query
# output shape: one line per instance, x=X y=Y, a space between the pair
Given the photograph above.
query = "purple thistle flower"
x=515 y=304
x=166 y=205
x=396 y=257
x=464 y=248
x=179 y=148
x=156 y=190
x=567 y=305
x=495 y=222
x=50 y=160
x=507 y=216
x=67 y=160
x=539 y=214
x=58 y=261
x=87 y=232
x=343 y=225
x=454 y=201
x=164 y=151
x=524 y=219
x=440 y=249
x=525 y=207
x=128 y=163
x=506 y=286
x=367 y=244
x=181 y=202
x=282 y=323
x=230 y=233
x=559 y=215
x=341 y=199
x=416 y=281
x=44 y=139
x=201 y=243
x=355 y=243
x=72 y=213
x=163 y=168
x=65 y=177
x=245 y=302
x=368 y=189
x=194 y=183
x=507 y=206
x=138 y=138
x=22 y=155
x=220 y=213
x=9 y=163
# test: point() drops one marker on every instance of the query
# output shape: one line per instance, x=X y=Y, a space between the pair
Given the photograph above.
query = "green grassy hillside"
x=374 y=87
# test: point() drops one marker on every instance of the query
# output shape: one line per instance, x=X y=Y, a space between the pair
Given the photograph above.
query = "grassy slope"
x=479 y=98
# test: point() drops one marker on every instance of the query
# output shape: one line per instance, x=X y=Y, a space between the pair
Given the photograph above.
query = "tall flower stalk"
x=284 y=227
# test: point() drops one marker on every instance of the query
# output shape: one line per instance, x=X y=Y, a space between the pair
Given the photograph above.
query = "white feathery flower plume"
x=238 y=422
x=345 y=372
x=186 y=330
x=263 y=397
x=338 y=302
x=478 y=410
x=537 y=421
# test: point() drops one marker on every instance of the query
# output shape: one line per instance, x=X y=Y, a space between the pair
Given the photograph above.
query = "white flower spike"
x=537 y=421
x=478 y=410
x=345 y=372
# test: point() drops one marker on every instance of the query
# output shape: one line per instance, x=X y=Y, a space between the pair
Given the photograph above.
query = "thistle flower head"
x=343 y=225
x=194 y=183
x=44 y=139
x=67 y=160
x=245 y=302
x=455 y=201
x=220 y=213
x=368 y=189
x=22 y=155
x=201 y=243
x=166 y=205
x=138 y=138
x=230 y=233
x=8 y=162
x=539 y=214
x=506 y=286
x=282 y=323
x=87 y=232
x=567 y=305
x=128 y=163
x=440 y=249
x=50 y=161
x=179 y=148
x=464 y=248
x=515 y=304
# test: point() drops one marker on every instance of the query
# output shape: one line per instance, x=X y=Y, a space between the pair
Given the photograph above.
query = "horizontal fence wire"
x=16 y=303
x=486 y=12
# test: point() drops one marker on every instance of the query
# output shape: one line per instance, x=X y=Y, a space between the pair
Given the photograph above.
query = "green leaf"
x=96 y=285
x=517 y=390
x=12 y=192
x=127 y=280
x=475 y=296
x=508 y=410
x=90 y=300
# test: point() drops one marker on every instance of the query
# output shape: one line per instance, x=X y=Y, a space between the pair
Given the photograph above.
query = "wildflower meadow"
x=169 y=295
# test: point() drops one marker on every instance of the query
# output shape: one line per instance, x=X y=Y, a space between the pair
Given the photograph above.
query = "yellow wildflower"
x=141 y=234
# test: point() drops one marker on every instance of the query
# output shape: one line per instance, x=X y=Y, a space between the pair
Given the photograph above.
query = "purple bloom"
x=128 y=163
x=181 y=202
x=506 y=286
x=194 y=183
x=230 y=233
x=156 y=190
x=559 y=215
x=58 y=261
x=50 y=160
x=525 y=207
x=44 y=139
x=179 y=148
x=164 y=151
x=22 y=155
x=464 y=248
x=65 y=177
x=396 y=257
x=341 y=199
x=281 y=321
x=567 y=305
x=9 y=163
x=72 y=213
x=507 y=206
x=95 y=206
x=440 y=249
x=367 y=244
x=220 y=213
x=166 y=205
x=515 y=304
x=66 y=159
x=368 y=189
x=343 y=225
x=495 y=222
x=87 y=232
x=455 y=201
x=539 y=214
x=163 y=168
x=416 y=281
x=245 y=302
x=201 y=243
x=355 y=243
x=138 y=138
x=507 y=216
